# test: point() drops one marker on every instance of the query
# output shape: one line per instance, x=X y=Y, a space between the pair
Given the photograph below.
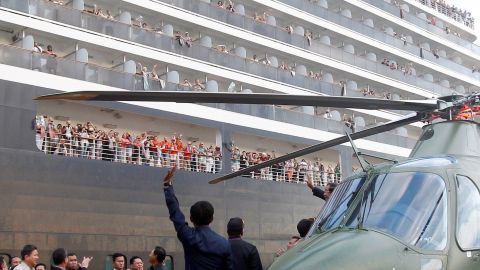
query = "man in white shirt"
x=30 y=258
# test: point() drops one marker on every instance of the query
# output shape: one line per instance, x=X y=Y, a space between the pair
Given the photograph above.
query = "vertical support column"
x=226 y=144
x=346 y=161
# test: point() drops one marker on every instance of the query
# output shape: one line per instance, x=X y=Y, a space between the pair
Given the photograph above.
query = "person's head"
x=293 y=242
x=2 y=262
x=72 y=261
x=303 y=227
x=157 y=255
x=235 y=227
x=136 y=263
x=15 y=261
x=49 y=48
x=329 y=190
x=201 y=213
x=59 y=257
x=40 y=266
x=118 y=260
x=29 y=255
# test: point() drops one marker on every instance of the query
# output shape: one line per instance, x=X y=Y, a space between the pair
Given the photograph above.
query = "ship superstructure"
x=372 y=48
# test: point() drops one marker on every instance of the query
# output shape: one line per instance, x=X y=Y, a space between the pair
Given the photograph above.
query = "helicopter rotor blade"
x=251 y=98
x=411 y=118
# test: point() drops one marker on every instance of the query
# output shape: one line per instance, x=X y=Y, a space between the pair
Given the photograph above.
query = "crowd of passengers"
x=88 y=141
x=185 y=39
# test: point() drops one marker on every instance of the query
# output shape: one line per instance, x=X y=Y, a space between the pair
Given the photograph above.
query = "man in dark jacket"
x=204 y=249
x=318 y=192
x=156 y=258
x=245 y=255
x=59 y=259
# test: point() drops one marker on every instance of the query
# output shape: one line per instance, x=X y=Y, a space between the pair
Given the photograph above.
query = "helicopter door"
x=468 y=229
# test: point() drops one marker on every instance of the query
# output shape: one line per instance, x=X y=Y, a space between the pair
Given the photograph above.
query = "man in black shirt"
x=245 y=255
x=59 y=259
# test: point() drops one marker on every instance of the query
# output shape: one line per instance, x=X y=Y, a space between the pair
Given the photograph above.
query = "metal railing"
x=359 y=27
x=290 y=172
x=157 y=40
x=196 y=158
x=448 y=11
x=248 y=23
x=392 y=9
x=131 y=152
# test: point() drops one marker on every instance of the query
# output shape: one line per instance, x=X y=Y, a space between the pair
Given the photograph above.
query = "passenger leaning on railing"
x=85 y=140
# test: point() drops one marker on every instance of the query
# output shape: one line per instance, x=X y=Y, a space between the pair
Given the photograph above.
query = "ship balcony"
x=96 y=74
x=362 y=27
x=206 y=53
x=323 y=44
x=421 y=20
x=359 y=27
x=367 y=28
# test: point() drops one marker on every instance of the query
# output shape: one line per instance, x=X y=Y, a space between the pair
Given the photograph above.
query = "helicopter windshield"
x=336 y=207
x=409 y=205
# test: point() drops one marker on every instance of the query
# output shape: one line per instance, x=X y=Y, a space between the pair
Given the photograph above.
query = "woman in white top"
x=210 y=161
x=84 y=142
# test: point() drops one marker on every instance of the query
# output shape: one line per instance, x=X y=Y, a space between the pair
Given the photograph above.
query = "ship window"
x=411 y=206
x=468 y=214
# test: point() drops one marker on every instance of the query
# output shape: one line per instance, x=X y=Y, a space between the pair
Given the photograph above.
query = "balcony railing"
x=381 y=36
x=445 y=10
x=15 y=56
x=153 y=39
x=195 y=159
x=424 y=24
x=280 y=34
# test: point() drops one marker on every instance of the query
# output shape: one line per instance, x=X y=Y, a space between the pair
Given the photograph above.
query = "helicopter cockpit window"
x=335 y=208
x=428 y=162
x=468 y=216
x=411 y=206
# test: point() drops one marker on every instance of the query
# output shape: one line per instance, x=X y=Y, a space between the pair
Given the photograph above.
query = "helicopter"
x=419 y=213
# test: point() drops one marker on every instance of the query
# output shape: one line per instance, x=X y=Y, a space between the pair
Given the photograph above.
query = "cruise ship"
x=87 y=176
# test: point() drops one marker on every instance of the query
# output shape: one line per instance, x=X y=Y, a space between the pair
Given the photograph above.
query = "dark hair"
x=27 y=251
x=303 y=227
x=235 y=227
x=59 y=255
x=116 y=255
x=71 y=254
x=160 y=253
x=201 y=213
x=331 y=186
x=295 y=237
x=41 y=264
x=132 y=260
x=2 y=260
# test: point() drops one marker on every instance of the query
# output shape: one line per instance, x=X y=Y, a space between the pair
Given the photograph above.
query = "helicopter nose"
x=354 y=249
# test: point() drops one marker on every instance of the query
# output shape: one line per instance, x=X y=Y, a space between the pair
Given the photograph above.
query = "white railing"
x=190 y=158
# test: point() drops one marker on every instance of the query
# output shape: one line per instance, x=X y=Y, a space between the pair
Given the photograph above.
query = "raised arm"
x=184 y=232
x=317 y=192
